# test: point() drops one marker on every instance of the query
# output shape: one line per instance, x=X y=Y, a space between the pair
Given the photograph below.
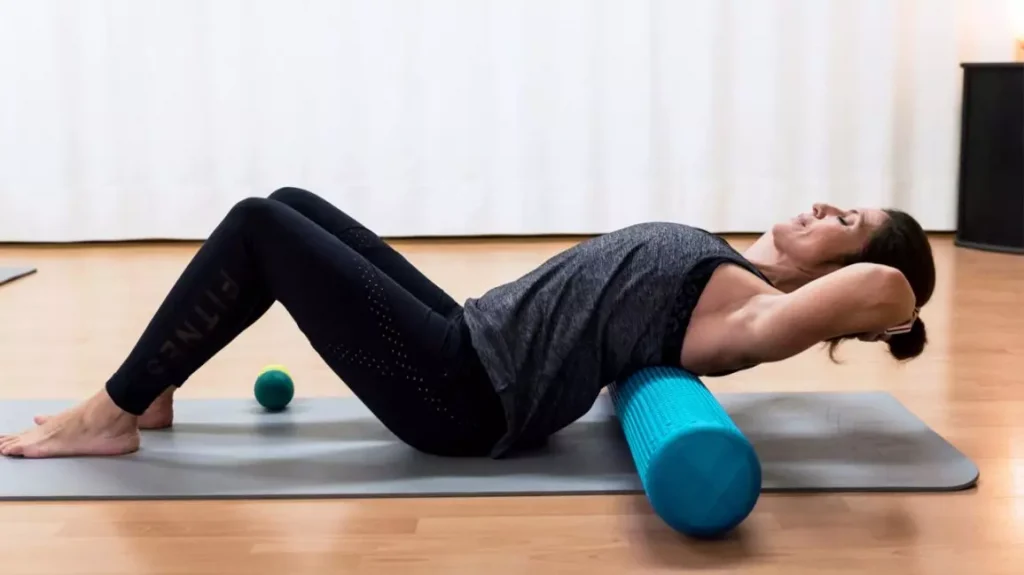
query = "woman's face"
x=826 y=235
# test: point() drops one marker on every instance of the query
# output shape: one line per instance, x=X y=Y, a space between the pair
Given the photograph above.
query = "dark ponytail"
x=901 y=243
x=909 y=345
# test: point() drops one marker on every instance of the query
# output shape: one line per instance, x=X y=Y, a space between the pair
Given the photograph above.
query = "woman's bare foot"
x=159 y=415
x=95 y=427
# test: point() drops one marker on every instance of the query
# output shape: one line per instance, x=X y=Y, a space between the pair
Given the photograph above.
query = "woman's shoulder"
x=718 y=316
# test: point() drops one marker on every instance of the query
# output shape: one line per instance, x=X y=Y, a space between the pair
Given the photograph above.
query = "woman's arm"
x=859 y=298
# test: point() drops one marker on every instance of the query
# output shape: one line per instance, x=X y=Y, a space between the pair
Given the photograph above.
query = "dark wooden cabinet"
x=990 y=211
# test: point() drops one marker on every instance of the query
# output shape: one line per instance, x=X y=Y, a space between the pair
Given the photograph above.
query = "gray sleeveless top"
x=595 y=313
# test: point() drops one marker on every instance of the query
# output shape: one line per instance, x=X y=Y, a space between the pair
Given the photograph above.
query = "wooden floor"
x=64 y=330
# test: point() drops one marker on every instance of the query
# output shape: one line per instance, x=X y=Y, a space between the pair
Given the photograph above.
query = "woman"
x=525 y=359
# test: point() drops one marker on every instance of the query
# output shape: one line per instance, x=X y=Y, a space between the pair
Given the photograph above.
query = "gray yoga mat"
x=333 y=447
x=11 y=274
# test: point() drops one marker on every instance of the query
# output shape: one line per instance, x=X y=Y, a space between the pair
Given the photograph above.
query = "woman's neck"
x=780 y=270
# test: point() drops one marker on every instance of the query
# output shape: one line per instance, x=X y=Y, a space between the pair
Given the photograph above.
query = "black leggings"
x=396 y=339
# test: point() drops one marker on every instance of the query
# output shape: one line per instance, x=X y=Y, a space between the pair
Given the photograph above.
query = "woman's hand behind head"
x=902 y=244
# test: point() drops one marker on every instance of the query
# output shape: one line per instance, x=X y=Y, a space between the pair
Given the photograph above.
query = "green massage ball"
x=274 y=388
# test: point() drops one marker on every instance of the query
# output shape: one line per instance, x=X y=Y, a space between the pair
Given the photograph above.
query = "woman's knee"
x=253 y=211
x=289 y=195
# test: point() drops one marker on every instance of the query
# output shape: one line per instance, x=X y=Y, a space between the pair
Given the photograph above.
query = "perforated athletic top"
x=553 y=339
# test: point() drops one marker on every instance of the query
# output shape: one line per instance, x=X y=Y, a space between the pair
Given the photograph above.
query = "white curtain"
x=125 y=119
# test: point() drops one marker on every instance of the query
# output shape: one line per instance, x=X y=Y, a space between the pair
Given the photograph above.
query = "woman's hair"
x=902 y=244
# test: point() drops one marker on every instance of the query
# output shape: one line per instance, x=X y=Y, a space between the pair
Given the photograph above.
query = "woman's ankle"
x=160 y=413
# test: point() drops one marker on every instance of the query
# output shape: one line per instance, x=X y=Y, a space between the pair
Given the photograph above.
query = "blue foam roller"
x=701 y=475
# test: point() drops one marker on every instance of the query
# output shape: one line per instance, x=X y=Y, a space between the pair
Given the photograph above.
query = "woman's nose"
x=823 y=210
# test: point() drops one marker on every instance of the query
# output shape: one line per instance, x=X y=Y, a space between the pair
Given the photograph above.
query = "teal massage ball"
x=274 y=388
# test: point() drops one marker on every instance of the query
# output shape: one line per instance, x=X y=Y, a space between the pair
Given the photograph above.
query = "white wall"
x=141 y=118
